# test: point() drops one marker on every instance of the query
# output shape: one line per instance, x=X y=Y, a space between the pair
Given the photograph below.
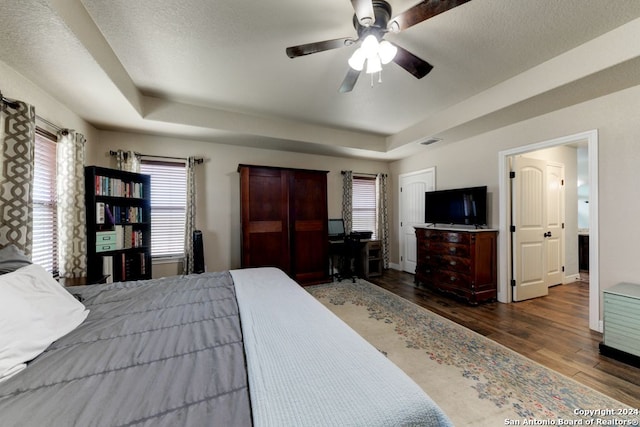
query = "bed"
x=236 y=348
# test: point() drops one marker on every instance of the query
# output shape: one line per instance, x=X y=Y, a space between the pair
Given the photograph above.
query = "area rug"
x=476 y=381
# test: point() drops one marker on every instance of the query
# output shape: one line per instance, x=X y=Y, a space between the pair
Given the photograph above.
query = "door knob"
x=547 y=234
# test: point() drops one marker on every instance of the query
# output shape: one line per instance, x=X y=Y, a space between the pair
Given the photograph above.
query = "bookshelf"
x=118 y=209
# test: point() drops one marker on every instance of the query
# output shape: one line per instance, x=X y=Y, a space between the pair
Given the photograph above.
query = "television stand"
x=459 y=262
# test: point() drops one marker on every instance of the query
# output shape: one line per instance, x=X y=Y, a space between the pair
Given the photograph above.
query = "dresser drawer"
x=455 y=249
x=105 y=237
x=107 y=247
x=446 y=236
x=454 y=263
x=453 y=278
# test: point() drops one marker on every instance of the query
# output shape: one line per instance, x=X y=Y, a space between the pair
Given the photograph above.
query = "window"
x=364 y=216
x=45 y=226
x=168 y=207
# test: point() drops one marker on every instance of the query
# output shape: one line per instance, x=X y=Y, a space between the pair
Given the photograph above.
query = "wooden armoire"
x=284 y=221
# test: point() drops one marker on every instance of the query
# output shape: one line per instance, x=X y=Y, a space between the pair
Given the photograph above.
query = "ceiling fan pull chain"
x=371 y=79
x=380 y=76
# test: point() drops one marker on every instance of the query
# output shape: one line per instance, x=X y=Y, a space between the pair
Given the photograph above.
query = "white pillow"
x=35 y=310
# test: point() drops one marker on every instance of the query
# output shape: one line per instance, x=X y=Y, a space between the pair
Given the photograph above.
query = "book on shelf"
x=109 y=214
x=99 y=213
x=115 y=187
x=107 y=268
x=128 y=236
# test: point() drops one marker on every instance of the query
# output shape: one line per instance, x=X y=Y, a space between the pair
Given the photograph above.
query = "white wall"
x=474 y=161
x=218 y=185
x=15 y=86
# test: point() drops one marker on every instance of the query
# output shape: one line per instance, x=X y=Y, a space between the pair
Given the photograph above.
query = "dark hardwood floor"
x=552 y=330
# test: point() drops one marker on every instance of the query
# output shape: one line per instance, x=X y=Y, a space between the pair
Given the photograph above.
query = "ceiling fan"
x=372 y=20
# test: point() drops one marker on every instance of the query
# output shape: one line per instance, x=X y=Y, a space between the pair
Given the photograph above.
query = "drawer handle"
x=452 y=278
x=452 y=263
x=452 y=250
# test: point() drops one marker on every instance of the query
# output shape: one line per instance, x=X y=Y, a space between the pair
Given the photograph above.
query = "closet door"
x=265 y=217
x=308 y=213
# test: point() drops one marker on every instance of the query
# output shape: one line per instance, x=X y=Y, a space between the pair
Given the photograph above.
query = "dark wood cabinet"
x=458 y=262
x=284 y=221
x=118 y=212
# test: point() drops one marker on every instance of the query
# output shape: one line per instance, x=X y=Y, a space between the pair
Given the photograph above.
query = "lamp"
x=374 y=52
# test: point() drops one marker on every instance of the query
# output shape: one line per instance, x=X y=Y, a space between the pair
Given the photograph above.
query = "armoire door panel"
x=265 y=227
x=266 y=250
x=310 y=195
x=267 y=196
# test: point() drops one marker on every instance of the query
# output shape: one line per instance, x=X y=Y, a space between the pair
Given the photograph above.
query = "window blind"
x=364 y=216
x=45 y=226
x=168 y=207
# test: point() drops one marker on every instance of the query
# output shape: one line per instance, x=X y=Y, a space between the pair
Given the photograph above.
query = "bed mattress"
x=165 y=352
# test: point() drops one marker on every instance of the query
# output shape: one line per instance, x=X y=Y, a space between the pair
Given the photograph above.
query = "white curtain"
x=190 y=215
x=17 y=136
x=127 y=161
x=347 y=200
x=383 y=216
x=72 y=245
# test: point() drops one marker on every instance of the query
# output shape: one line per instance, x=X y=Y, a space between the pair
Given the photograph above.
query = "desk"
x=81 y=281
x=367 y=259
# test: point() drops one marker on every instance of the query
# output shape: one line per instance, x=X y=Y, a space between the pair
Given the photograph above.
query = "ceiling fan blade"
x=309 y=48
x=414 y=65
x=349 y=81
x=364 y=12
x=422 y=11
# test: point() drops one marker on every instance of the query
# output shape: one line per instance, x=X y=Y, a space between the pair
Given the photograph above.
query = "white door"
x=538 y=216
x=412 y=189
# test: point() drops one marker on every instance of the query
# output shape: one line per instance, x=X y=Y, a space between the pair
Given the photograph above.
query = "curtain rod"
x=10 y=102
x=14 y=104
x=198 y=160
x=48 y=123
x=362 y=173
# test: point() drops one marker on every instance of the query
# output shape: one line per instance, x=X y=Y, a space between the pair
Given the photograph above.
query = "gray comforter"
x=165 y=352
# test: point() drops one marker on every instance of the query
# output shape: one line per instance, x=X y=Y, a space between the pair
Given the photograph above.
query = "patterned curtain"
x=127 y=161
x=190 y=215
x=17 y=135
x=383 y=217
x=72 y=245
x=347 y=200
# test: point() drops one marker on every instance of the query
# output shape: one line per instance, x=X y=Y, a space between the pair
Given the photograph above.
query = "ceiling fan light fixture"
x=387 y=52
x=357 y=60
x=370 y=46
x=373 y=64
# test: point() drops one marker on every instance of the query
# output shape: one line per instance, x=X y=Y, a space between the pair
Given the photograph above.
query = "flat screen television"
x=459 y=206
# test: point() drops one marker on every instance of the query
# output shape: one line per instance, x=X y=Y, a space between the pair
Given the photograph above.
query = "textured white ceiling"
x=218 y=70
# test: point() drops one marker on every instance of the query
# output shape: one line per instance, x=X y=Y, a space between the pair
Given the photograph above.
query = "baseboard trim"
x=571 y=278
x=622 y=356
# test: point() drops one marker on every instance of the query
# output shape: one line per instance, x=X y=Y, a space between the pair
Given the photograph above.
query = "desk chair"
x=349 y=257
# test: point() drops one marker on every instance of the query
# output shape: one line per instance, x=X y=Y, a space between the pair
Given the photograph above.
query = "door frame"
x=431 y=170
x=504 y=246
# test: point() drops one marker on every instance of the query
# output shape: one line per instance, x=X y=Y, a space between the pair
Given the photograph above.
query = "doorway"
x=505 y=292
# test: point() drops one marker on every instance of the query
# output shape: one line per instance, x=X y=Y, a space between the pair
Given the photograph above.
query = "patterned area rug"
x=476 y=381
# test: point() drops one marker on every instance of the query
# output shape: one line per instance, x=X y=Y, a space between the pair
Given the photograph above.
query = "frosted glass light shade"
x=357 y=60
x=370 y=46
x=373 y=64
x=387 y=52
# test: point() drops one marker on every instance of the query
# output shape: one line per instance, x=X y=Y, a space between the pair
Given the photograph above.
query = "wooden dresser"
x=458 y=262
